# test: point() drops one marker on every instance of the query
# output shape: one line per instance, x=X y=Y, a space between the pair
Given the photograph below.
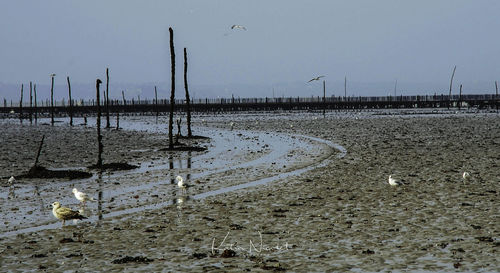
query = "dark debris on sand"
x=129 y=259
x=116 y=166
x=42 y=172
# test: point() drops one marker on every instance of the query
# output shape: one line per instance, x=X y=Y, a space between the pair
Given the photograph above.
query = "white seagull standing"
x=315 y=79
x=394 y=182
x=466 y=176
x=11 y=180
x=238 y=27
x=180 y=183
x=82 y=197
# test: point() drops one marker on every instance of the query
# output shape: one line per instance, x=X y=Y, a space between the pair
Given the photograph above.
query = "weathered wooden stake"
x=117 y=120
x=188 y=100
x=172 y=92
x=123 y=96
x=345 y=87
x=496 y=88
x=21 y=105
x=324 y=99
x=107 y=99
x=460 y=97
x=451 y=84
x=156 y=104
x=99 y=137
x=70 y=103
x=52 y=99
x=31 y=103
x=39 y=151
x=36 y=110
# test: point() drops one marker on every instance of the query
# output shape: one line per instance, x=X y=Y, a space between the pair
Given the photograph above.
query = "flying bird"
x=82 y=197
x=238 y=27
x=394 y=182
x=63 y=213
x=315 y=79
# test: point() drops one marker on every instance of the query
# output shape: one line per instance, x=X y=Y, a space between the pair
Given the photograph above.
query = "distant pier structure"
x=217 y=105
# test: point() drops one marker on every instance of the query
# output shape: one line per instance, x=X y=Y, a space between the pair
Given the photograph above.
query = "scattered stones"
x=199 y=255
x=66 y=240
x=368 y=251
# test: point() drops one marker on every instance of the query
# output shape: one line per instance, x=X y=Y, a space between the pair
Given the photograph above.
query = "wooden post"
x=21 y=105
x=324 y=99
x=123 y=96
x=52 y=99
x=107 y=99
x=36 y=110
x=39 y=150
x=99 y=137
x=345 y=88
x=172 y=92
x=460 y=97
x=451 y=83
x=496 y=88
x=188 y=100
x=31 y=103
x=156 y=103
x=395 y=87
x=70 y=103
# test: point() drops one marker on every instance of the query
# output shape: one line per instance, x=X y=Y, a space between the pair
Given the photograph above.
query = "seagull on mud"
x=181 y=184
x=466 y=176
x=63 y=213
x=394 y=182
x=238 y=27
x=11 y=180
x=315 y=79
x=82 y=197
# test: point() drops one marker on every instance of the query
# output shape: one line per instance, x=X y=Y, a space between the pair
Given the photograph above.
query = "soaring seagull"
x=238 y=27
x=315 y=79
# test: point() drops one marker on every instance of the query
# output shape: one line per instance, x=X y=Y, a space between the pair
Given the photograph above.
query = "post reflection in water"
x=99 y=196
x=12 y=193
x=39 y=197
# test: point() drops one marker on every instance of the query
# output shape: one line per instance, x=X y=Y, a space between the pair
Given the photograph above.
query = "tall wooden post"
x=188 y=100
x=21 y=105
x=52 y=99
x=123 y=97
x=460 y=97
x=451 y=83
x=99 y=137
x=31 y=103
x=345 y=88
x=324 y=99
x=36 y=110
x=496 y=97
x=107 y=99
x=156 y=103
x=70 y=103
x=172 y=92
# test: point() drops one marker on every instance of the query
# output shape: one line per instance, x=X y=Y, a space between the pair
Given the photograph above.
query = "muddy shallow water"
x=337 y=216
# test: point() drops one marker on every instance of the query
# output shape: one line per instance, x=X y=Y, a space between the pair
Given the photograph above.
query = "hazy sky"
x=286 y=43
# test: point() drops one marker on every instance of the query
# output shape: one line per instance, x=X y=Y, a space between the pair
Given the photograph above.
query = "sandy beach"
x=339 y=215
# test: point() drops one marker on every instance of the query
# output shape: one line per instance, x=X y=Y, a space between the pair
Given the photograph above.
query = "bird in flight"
x=238 y=27
x=316 y=79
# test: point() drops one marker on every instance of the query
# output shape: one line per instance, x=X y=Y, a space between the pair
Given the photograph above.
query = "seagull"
x=82 y=197
x=466 y=176
x=315 y=79
x=394 y=182
x=238 y=27
x=180 y=183
x=63 y=213
x=11 y=180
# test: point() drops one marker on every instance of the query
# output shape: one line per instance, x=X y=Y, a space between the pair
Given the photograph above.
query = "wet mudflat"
x=337 y=217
